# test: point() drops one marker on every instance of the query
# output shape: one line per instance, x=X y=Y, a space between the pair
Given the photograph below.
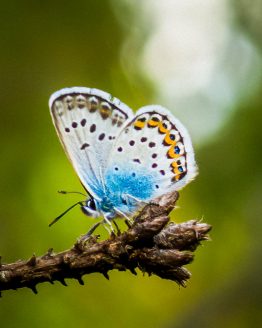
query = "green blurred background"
x=202 y=59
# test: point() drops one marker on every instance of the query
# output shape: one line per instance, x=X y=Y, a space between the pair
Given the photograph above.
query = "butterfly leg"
x=91 y=230
x=117 y=228
x=109 y=228
x=135 y=199
x=128 y=224
x=140 y=201
x=124 y=215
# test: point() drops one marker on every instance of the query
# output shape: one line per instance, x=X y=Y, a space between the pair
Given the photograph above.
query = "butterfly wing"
x=87 y=122
x=152 y=155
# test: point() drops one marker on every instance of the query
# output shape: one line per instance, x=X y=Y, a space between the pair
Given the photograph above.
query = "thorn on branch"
x=48 y=254
x=133 y=271
x=48 y=278
x=80 y=280
x=33 y=288
x=32 y=261
x=62 y=281
x=105 y=274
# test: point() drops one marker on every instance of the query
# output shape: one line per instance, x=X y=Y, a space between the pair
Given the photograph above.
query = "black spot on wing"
x=83 y=122
x=92 y=128
x=84 y=146
x=101 y=136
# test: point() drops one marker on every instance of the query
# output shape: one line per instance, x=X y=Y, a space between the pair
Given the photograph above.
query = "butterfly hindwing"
x=88 y=121
x=153 y=155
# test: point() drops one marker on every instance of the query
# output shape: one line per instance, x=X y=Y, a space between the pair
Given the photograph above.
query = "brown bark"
x=151 y=244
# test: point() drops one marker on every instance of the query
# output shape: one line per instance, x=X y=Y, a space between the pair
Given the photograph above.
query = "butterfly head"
x=95 y=208
x=91 y=208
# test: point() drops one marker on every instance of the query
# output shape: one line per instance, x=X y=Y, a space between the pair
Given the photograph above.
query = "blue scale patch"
x=120 y=183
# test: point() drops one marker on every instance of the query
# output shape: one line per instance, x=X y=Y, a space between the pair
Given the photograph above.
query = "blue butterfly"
x=123 y=160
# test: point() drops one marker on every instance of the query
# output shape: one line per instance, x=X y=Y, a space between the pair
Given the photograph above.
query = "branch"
x=151 y=244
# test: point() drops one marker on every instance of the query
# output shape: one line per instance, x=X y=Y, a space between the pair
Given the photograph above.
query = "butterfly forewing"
x=88 y=121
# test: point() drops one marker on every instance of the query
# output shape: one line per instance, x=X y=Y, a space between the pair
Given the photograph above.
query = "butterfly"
x=123 y=160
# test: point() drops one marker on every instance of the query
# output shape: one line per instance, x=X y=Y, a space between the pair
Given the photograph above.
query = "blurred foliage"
x=49 y=45
x=249 y=18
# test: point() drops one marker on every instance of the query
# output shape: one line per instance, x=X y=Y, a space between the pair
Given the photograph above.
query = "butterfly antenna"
x=61 y=215
x=71 y=192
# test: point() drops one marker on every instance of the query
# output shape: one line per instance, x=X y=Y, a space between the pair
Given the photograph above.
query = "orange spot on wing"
x=171 y=152
x=105 y=112
x=176 y=171
x=162 y=128
x=153 y=123
x=139 y=124
x=168 y=140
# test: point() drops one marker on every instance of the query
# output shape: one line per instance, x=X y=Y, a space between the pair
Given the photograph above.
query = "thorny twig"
x=151 y=244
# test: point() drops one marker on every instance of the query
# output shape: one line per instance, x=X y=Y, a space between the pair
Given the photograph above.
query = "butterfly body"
x=122 y=192
x=123 y=160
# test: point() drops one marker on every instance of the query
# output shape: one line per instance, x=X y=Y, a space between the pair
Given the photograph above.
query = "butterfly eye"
x=91 y=204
